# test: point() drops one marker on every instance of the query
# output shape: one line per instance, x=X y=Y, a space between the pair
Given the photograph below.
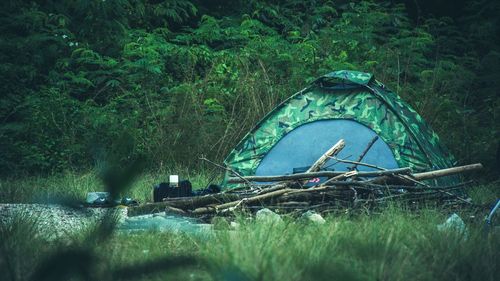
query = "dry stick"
x=288 y=191
x=335 y=149
x=184 y=203
x=316 y=166
x=438 y=173
x=359 y=163
x=328 y=174
x=363 y=184
x=447 y=172
x=435 y=174
x=442 y=191
x=423 y=194
x=228 y=169
x=362 y=155
x=217 y=208
x=374 y=167
x=277 y=186
x=341 y=177
x=323 y=186
x=428 y=175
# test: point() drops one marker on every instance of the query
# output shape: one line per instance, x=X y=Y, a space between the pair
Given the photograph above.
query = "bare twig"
x=334 y=150
x=362 y=155
x=341 y=177
x=229 y=170
x=358 y=163
x=328 y=174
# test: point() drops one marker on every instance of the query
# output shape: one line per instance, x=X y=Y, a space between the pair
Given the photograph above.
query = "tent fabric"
x=349 y=95
x=298 y=149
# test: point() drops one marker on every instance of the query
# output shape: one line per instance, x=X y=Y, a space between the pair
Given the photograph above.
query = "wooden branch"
x=341 y=177
x=174 y=211
x=359 y=163
x=429 y=175
x=227 y=169
x=334 y=150
x=248 y=200
x=362 y=155
x=184 y=203
x=447 y=172
x=327 y=174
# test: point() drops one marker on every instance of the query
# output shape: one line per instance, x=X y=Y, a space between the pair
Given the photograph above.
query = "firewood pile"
x=340 y=192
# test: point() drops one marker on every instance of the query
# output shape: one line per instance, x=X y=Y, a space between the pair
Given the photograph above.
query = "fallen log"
x=327 y=174
x=447 y=172
x=429 y=175
x=248 y=200
x=184 y=203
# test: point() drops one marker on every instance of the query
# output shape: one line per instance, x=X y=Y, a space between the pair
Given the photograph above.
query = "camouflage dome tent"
x=347 y=105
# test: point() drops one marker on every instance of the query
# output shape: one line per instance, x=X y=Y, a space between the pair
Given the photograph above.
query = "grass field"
x=394 y=244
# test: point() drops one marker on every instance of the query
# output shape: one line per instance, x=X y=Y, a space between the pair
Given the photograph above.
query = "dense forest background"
x=178 y=78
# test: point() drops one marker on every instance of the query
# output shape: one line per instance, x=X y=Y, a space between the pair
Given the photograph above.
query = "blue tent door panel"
x=304 y=145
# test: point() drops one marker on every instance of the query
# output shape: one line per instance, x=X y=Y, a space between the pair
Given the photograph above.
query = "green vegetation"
x=141 y=88
x=396 y=244
x=389 y=246
x=184 y=78
x=72 y=185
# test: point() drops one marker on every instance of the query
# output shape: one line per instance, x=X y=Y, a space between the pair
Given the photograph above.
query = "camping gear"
x=345 y=142
x=341 y=192
x=377 y=125
x=211 y=189
x=98 y=198
x=103 y=199
x=172 y=189
x=492 y=220
x=181 y=188
x=127 y=201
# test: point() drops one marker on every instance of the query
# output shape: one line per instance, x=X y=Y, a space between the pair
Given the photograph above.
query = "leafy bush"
x=185 y=78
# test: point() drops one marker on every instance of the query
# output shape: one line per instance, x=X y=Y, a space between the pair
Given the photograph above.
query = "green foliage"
x=185 y=78
x=365 y=248
x=392 y=245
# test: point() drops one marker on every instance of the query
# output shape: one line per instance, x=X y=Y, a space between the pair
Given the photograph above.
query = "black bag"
x=165 y=190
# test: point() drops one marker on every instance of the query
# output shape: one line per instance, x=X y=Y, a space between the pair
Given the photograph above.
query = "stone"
x=266 y=215
x=454 y=223
x=234 y=225
x=313 y=217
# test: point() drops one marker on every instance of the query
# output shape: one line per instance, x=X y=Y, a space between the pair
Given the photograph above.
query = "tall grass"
x=393 y=245
x=76 y=185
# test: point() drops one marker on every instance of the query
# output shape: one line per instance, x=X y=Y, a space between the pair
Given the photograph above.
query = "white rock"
x=454 y=223
x=234 y=225
x=313 y=217
x=266 y=215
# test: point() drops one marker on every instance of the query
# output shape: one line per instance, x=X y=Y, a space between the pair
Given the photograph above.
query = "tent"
x=347 y=105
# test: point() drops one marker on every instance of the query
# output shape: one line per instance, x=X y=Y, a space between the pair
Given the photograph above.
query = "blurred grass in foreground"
x=392 y=245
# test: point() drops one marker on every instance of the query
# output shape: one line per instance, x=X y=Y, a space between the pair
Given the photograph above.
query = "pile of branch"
x=340 y=191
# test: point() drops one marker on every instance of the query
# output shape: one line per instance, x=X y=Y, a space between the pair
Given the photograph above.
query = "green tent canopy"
x=347 y=105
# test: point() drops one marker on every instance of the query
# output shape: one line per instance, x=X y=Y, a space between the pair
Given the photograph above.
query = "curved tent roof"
x=342 y=104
